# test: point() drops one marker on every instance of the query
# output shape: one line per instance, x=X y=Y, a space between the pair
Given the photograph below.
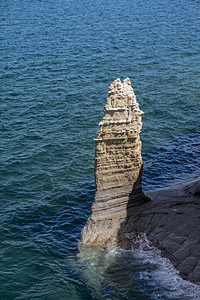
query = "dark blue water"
x=57 y=60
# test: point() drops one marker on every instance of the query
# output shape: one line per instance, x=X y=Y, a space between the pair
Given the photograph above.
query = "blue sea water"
x=57 y=60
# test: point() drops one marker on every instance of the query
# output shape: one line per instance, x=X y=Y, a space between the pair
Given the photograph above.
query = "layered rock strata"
x=118 y=165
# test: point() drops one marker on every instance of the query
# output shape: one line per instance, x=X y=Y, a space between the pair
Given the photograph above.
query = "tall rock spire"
x=118 y=165
x=118 y=147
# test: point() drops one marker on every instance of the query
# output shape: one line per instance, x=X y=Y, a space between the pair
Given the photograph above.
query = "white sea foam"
x=160 y=272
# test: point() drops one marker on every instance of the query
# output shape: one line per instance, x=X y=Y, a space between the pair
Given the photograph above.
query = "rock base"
x=172 y=223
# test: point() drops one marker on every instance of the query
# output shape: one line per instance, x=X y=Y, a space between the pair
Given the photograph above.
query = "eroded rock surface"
x=172 y=223
x=118 y=165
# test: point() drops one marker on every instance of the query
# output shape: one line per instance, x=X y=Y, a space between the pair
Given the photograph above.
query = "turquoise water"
x=57 y=60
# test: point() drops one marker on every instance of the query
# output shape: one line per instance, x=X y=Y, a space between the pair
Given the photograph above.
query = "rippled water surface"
x=57 y=60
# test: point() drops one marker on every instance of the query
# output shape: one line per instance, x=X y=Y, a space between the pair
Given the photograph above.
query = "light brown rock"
x=118 y=165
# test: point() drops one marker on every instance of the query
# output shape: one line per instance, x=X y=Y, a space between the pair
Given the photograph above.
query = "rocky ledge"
x=121 y=210
x=171 y=220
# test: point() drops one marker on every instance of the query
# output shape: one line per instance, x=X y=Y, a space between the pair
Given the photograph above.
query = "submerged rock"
x=118 y=165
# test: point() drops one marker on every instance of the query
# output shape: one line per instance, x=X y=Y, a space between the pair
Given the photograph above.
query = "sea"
x=57 y=60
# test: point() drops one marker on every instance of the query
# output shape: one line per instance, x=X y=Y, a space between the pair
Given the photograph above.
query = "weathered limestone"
x=118 y=165
x=118 y=146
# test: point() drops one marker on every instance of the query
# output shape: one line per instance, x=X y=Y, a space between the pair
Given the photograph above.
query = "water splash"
x=160 y=273
x=139 y=273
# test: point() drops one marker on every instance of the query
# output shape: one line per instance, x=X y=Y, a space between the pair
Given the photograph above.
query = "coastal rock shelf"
x=172 y=222
x=118 y=165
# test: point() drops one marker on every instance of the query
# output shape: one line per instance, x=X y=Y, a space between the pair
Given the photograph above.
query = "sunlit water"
x=57 y=60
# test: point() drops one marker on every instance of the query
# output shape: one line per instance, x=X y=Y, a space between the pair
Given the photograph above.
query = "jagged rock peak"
x=118 y=86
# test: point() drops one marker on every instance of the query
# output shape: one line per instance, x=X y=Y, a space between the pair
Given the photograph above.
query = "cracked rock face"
x=118 y=165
